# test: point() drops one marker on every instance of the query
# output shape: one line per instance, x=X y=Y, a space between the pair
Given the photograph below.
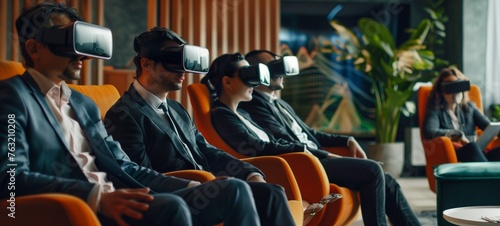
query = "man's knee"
x=170 y=204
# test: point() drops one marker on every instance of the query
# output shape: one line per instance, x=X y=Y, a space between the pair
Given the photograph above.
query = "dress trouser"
x=380 y=194
x=272 y=204
x=472 y=153
x=228 y=200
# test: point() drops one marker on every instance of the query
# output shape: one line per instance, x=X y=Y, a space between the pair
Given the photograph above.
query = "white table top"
x=471 y=215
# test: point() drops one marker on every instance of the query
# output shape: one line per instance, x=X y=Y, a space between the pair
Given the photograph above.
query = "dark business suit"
x=380 y=193
x=260 y=109
x=45 y=164
x=151 y=142
x=437 y=122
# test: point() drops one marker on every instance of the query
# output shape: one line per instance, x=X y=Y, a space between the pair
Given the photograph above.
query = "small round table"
x=471 y=215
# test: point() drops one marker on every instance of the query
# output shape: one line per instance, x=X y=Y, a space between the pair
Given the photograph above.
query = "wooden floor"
x=418 y=194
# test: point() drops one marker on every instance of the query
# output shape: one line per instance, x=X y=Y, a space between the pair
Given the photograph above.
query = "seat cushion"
x=468 y=171
x=466 y=184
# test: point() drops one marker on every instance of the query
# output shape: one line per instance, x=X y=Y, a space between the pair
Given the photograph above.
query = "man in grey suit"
x=157 y=132
x=60 y=144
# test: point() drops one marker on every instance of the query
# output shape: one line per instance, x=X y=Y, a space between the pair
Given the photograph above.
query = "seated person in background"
x=277 y=117
x=451 y=114
x=158 y=133
x=61 y=145
x=380 y=193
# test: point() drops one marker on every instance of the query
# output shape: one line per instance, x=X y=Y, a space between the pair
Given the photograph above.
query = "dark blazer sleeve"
x=219 y=162
x=240 y=138
x=480 y=120
x=126 y=128
x=324 y=139
x=260 y=111
x=433 y=122
x=18 y=176
x=127 y=131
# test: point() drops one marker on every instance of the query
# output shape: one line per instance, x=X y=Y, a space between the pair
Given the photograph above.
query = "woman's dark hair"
x=154 y=38
x=224 y=65
x=36 y=17
x=436 y=99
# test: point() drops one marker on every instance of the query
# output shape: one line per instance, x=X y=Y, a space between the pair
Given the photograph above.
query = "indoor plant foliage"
x=393 y=70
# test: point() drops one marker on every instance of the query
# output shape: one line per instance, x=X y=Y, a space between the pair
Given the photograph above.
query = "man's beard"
x=70 y=75
x=276 y=87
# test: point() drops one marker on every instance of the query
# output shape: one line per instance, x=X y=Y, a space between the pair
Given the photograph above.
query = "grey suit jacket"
x=40 y=158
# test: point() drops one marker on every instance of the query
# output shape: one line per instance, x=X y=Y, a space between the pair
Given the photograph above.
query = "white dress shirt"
x=57 y=98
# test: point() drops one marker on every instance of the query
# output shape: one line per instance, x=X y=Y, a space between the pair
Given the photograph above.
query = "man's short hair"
x=36 y=17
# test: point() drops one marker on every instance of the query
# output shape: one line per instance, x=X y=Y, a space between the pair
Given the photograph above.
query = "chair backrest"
x=103 y=95
x=439 y=150
x=200 y=101
x=10 y=68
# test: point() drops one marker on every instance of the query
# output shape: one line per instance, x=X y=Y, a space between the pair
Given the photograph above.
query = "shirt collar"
x=151 y=99
x=46 y=84
x=269 y=97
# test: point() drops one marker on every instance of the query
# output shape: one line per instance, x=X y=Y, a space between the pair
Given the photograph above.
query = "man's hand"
x=257 y=178
x=356 y=150
x=128 y=202
x=193 y=183
x=331 y=155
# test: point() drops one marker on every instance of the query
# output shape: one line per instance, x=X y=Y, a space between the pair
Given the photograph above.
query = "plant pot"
x=391 y=154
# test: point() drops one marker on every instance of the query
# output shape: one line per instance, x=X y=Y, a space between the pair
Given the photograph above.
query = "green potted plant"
x=393 y=70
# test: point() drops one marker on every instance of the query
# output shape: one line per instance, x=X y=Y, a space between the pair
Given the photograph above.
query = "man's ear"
x=33 y=48
x=146 y=63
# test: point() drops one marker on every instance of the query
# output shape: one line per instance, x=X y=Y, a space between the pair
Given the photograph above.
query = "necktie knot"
x=163 y=106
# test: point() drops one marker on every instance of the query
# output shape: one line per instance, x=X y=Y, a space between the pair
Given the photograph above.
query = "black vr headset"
x=183 y=58
x=285 y=66
x=78 y=39
x=255 y=75
x=455 y=87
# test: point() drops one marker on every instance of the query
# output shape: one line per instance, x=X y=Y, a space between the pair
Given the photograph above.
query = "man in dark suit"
x=278 y=118
x=158 y=133
x=58 y=143
x=274 y=115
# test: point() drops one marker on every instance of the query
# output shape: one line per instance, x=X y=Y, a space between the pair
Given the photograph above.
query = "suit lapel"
x=161 y=124
x=174 y=113
x=299 y=121
x=274 y=110
x=49 y=115
x=94 y=138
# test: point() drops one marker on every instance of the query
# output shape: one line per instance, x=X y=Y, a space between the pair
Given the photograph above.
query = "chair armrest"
x=438 y=151
x=310 y=176
x=196 y=175
x=49 y=209
x=347 y=207
x=277 y=171
x=493 y=144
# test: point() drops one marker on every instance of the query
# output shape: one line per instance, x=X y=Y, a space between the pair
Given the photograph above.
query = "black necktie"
x=163 y=106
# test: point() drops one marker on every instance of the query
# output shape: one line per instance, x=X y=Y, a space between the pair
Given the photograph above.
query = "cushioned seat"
x=466 y=184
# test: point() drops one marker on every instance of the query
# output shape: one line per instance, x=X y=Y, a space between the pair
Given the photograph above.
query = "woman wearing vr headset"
x=450 y=113
x=231 y=81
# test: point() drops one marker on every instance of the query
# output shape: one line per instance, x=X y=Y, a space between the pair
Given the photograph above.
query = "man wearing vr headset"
x=158 y=133
x=380 y=193
x=59 y=144
x=450 y=113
